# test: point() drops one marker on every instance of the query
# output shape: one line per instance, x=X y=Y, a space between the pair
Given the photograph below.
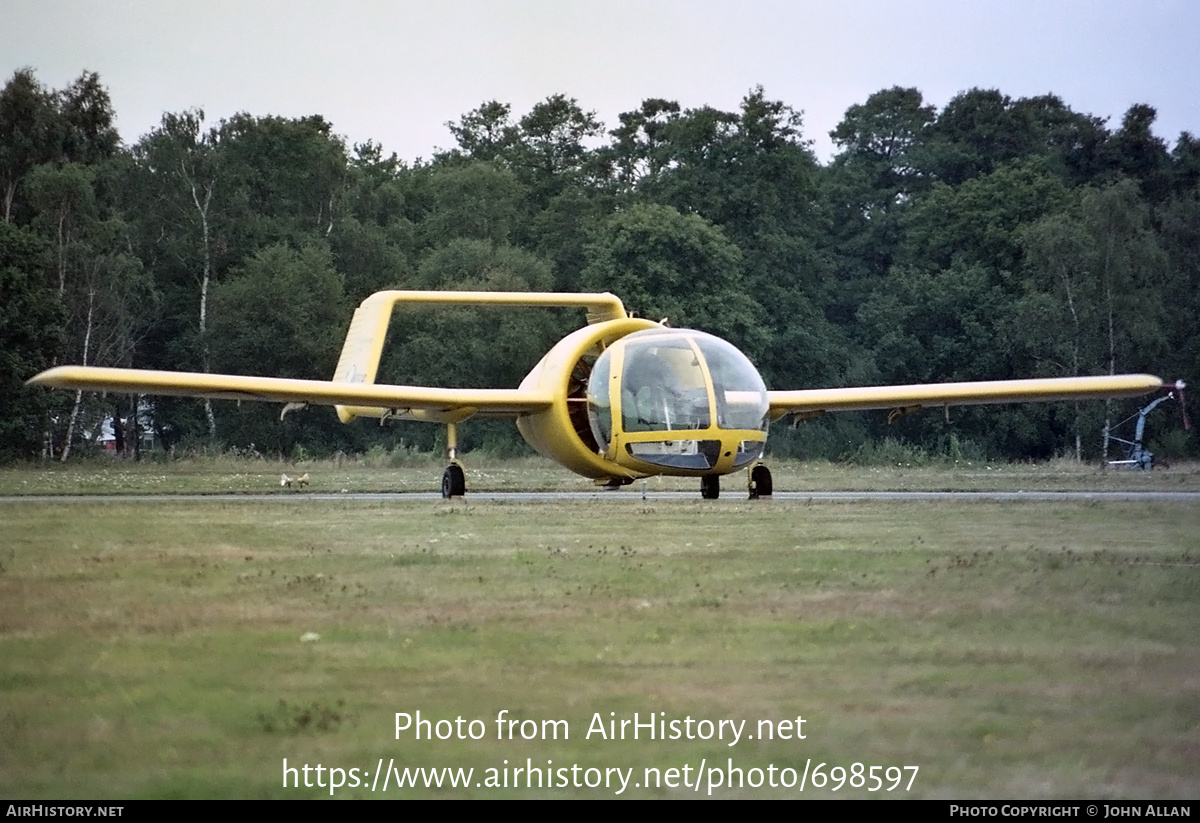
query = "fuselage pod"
x=677 y=401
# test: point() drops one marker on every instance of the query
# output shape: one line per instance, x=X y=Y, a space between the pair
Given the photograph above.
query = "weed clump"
x=287 y=718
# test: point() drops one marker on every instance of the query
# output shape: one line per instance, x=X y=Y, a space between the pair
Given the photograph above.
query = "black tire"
x=454 y=483
x=761 y=484
x=710 y=486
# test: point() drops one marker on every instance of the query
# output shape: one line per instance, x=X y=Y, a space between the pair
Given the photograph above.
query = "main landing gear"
x=454 y=481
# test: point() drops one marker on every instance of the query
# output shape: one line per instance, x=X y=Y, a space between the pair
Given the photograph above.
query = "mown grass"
x=239 y=475
x=1041 y=649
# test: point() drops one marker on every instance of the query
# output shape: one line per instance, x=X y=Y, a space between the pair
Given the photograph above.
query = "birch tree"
x=180 y=172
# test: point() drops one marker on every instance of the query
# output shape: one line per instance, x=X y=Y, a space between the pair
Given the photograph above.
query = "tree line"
x=994 y=238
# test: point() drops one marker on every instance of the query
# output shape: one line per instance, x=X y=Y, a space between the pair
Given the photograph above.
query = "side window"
x=741 y=394
x=599 y=401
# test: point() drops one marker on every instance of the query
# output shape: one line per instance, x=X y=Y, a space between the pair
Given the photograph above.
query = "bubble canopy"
x=679 y=399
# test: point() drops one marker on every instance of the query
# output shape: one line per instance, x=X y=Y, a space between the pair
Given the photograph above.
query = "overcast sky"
x=396 y=72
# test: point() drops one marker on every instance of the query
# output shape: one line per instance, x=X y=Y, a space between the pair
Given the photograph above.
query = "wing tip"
x=50 y=377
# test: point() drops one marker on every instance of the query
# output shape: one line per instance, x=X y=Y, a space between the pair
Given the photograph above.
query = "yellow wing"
x=438 y=405
x=353 y=390
x=903 y=399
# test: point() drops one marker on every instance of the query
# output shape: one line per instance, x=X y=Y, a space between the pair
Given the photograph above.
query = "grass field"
x=1031 y=650
x=222 y=474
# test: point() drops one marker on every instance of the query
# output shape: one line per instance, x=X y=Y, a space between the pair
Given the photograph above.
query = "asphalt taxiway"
x=629 y=494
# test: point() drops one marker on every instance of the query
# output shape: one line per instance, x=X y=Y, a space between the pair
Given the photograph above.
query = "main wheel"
x=761 y=484
x=454 y=483
x=710 y=486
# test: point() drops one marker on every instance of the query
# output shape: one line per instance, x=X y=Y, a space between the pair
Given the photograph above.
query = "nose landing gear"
x=758 y=481
x=760 y=484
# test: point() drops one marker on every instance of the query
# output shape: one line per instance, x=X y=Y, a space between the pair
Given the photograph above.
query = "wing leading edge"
x=902 y=399
x=439 y=405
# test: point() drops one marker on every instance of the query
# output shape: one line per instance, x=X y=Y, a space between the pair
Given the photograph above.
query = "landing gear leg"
x=454 y=481
x=710 y=486
x=761 y=484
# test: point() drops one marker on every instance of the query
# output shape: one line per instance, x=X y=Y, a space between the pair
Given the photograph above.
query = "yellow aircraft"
x=620 y=399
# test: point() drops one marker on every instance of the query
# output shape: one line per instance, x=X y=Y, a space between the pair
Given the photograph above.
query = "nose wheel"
x=761 y=484
x=710 y=486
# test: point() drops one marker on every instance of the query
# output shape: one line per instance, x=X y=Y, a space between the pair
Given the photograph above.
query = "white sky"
x=396 y=72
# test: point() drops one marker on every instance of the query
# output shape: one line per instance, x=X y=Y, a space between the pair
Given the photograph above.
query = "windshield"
x=662 y=385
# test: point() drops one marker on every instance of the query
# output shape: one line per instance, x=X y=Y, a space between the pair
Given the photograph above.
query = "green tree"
x=40 y=126
x=980 y=220
x=1057 y=313
x=1185 y=165
x=1130 y=274
x=88 y=134
x=484 y=133
x=640 y=148
x=665 y=264
x=286 y=177
x=472 y=200
x=208 y=199
x=880 y=142
x=1096 y=297
x=65 y=201
x=550 y=152
x=1138 y=154
x=32 y=331
x=29 y=133
x=546 y=149
x=107 y=297
x=752 y=175
x=282 y=314
x=178 y=215
x=1073 y=143
x=975 y=133
x=556 y=192
x=868 y=187
x=374 y=241
x=109 y=303
x=954 y=324
x=1180 y=220
x=467 y=346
